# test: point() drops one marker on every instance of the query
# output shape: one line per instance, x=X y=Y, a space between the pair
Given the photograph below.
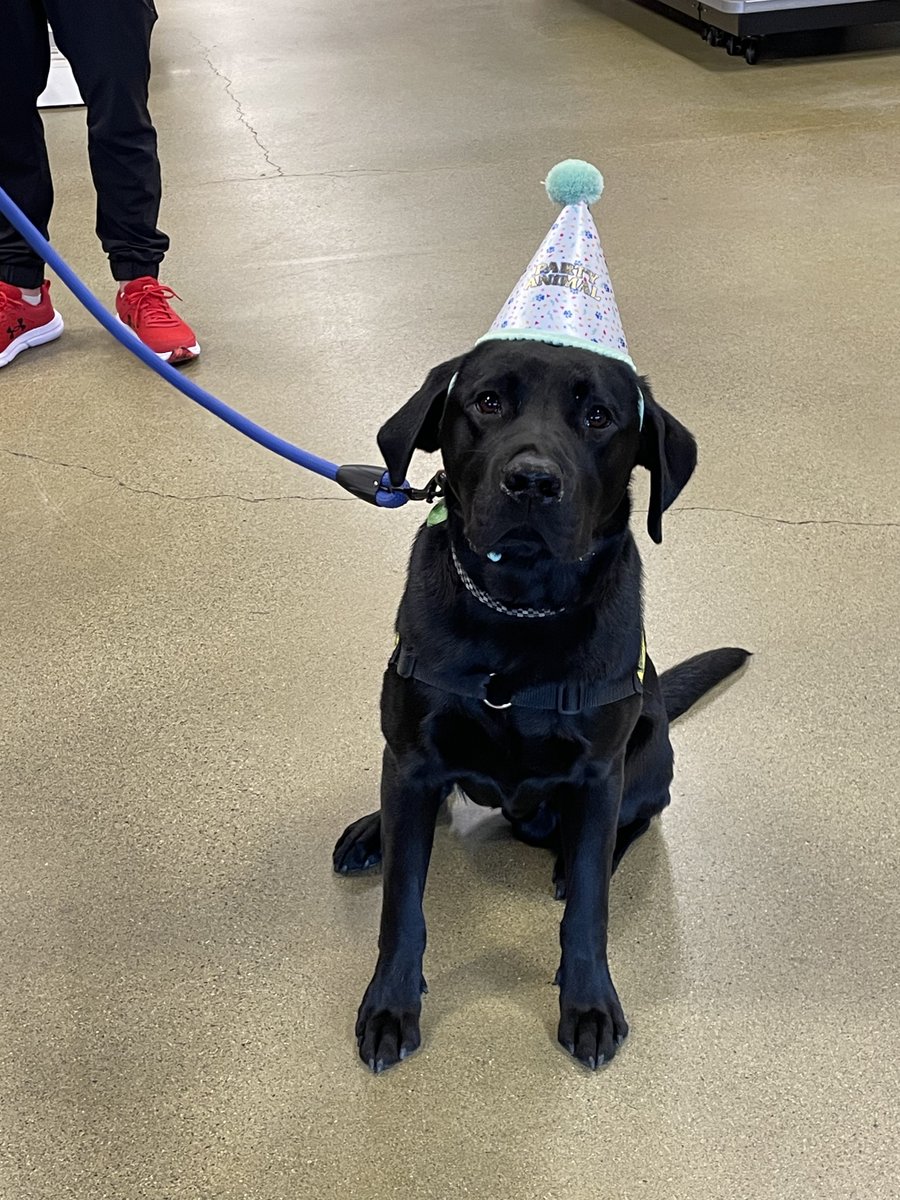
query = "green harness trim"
x=438 y=514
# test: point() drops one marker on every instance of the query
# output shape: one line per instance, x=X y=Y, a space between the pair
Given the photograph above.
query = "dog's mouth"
x=494 y=523
x=513 y=538
x=519 y=542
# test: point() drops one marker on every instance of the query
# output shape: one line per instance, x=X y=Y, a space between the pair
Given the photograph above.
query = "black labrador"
x=520 y=674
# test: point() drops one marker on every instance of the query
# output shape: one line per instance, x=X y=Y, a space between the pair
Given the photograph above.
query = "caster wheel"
x=733 y=46
x=714 y=37
x=751 y=52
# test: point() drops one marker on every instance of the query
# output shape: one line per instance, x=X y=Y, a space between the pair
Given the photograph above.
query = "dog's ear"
x=669 y=453
x=416 y=426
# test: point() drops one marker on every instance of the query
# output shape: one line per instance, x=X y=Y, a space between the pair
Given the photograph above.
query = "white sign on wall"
x=61 y=89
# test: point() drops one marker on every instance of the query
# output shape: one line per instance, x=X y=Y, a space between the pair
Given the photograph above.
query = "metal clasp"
x=497 y=707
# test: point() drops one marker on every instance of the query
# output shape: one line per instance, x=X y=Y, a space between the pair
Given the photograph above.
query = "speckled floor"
x=193 y=632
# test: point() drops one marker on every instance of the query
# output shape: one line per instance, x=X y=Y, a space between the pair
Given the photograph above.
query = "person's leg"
x=27 y=316
x=24 y=168
x=107 y=44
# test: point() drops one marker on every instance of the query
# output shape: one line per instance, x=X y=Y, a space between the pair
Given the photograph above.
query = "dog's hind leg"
x=540 y=829
x=648 y=774
x=359 y=846
x=625 y=836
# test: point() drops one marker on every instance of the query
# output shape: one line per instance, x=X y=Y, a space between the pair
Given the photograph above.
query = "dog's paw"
x=386 y=1036
x=359 y=846
x=592 y=1032
x=387 y=1025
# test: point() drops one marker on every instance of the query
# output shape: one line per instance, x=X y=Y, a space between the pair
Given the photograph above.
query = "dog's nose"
x=527 y=477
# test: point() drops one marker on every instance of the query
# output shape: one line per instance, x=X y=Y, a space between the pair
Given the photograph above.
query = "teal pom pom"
x=574 y=181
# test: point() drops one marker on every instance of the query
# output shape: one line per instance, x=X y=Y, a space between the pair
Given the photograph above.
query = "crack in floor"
x=142 y=491
x=740 y=512
x=339 y=499
x=239 y=109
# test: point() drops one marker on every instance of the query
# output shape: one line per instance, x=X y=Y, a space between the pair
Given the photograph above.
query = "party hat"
x=565 y=296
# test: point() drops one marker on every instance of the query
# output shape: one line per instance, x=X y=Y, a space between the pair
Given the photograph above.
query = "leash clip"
x=373 y=485
x=434 y=489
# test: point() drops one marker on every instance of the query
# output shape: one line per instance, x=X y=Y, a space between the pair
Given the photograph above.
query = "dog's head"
x=539 y=442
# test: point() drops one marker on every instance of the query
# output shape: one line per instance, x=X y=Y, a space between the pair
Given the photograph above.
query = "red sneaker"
x=143 y=305
x=22 y=324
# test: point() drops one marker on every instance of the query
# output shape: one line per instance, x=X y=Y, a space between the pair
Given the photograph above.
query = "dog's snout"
x=528 y=477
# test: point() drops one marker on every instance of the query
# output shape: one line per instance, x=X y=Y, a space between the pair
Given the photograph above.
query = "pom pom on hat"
x=573 y=182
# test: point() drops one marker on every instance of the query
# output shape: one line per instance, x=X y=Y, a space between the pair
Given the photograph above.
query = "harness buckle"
x=570 y=699
x=487 y=690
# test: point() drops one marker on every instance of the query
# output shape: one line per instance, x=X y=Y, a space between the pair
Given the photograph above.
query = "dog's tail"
x=683 y=685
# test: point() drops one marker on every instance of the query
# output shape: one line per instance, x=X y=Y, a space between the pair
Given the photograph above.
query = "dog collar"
x=481 y=595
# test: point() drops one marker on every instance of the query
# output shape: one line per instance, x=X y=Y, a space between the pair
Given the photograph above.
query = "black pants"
x=107 y=43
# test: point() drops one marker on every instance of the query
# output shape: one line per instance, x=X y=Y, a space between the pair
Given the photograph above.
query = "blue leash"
x=367 y=483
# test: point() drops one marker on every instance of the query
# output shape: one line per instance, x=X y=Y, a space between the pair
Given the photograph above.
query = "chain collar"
x=481 y=595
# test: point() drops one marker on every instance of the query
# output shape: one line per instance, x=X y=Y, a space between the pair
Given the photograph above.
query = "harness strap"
x=567 y=699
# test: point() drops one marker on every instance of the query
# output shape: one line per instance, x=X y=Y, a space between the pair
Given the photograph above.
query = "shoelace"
x=151 y=304
x=8 y=303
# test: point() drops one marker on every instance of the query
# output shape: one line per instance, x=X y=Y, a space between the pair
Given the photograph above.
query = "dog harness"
x=567 y=699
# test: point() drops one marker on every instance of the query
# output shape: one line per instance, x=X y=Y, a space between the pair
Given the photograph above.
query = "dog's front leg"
x=592 y=1024
x=387 y=1028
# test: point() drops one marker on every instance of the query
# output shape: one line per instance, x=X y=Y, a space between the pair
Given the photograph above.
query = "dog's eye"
x=488 y=403
x=598 y=417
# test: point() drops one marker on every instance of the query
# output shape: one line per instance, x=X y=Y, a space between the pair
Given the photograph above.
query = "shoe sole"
x=33 y=337
x=183 y=354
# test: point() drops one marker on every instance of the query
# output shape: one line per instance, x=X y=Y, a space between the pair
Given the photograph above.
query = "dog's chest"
x=508 y=763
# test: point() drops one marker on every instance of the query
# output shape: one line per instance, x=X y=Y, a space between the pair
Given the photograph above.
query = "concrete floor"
x=193 y=632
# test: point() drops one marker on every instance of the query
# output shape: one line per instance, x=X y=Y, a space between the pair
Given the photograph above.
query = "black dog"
x=520 y=673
